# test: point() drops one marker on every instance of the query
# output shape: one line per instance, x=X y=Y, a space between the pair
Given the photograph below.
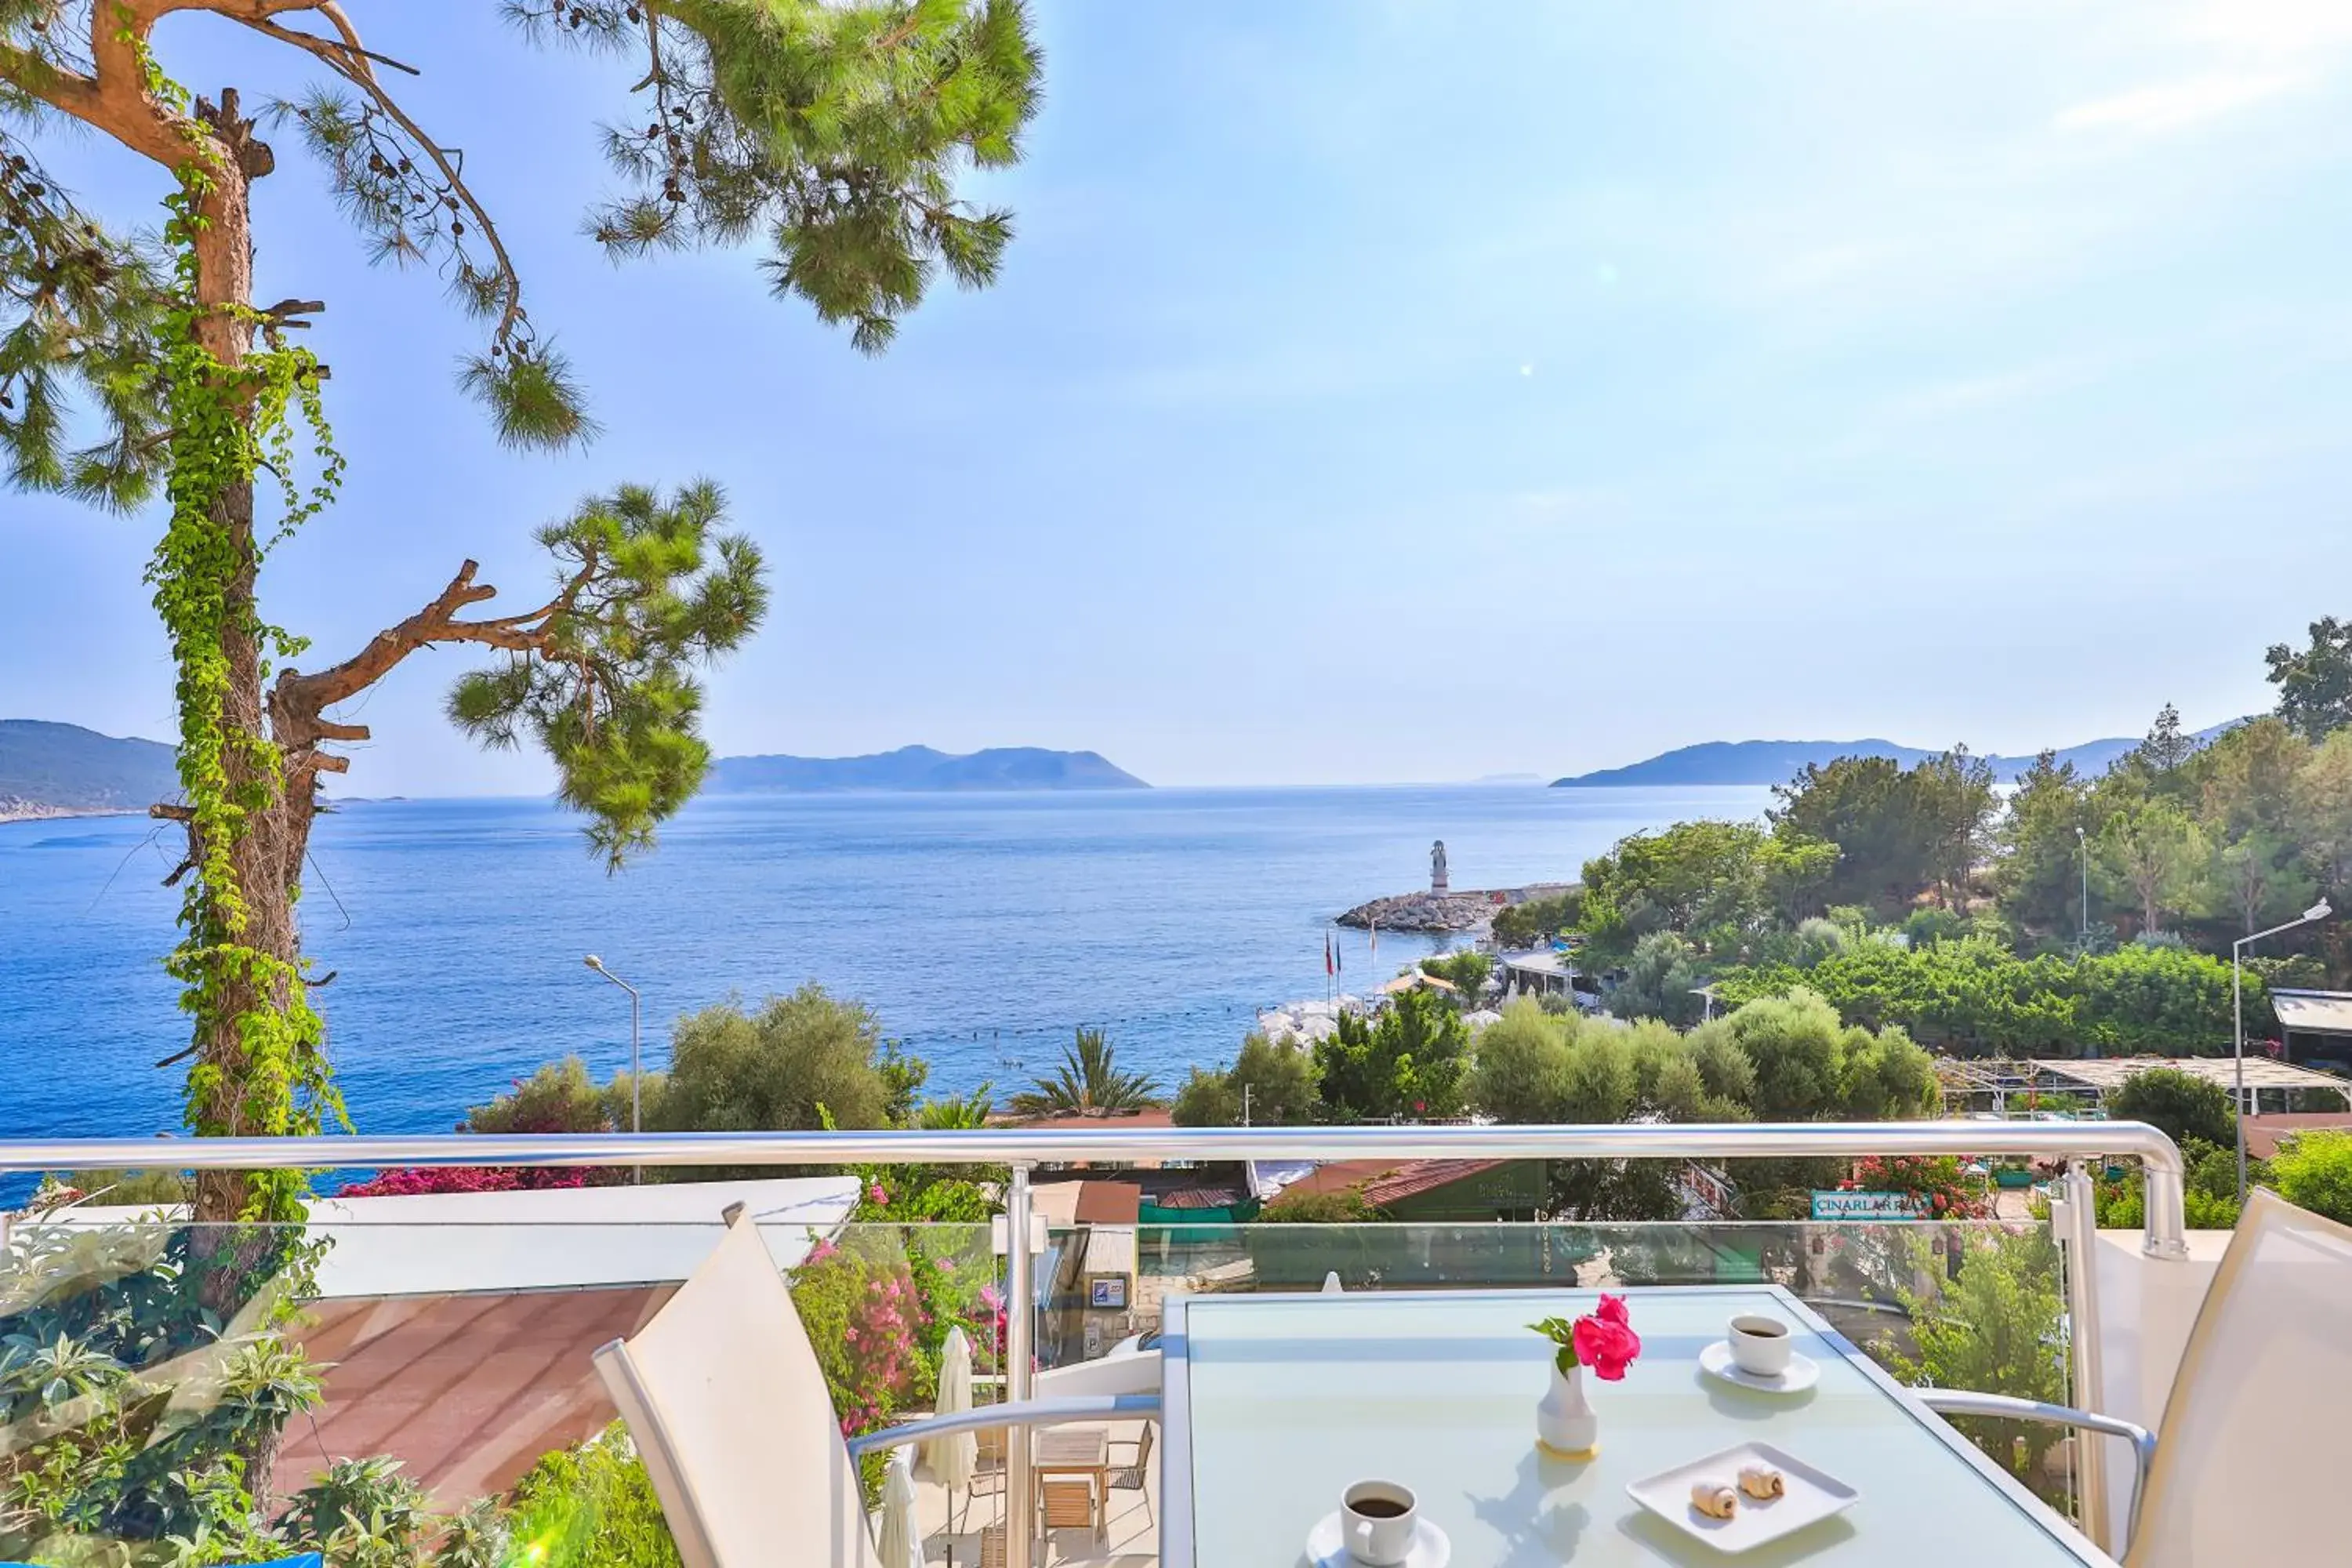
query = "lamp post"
x=2082 y=846
x=2318 y=911
x=636 y=1067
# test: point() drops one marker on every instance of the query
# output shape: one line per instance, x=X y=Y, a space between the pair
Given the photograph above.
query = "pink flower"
x=1606 y=1340
x=880 y=1197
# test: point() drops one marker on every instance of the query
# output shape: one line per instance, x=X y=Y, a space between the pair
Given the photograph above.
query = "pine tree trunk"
x=267 y=856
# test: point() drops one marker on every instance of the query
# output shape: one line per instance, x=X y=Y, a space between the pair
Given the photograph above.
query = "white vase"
x=1565 y=1423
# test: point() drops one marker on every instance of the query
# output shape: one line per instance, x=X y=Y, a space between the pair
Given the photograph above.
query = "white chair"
x=731 y=1413
x=2246 y=1469
x=731 y=1416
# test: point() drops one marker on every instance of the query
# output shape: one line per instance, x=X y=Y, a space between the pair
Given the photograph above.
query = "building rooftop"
x=2313 y=1012
x=2106 y=1074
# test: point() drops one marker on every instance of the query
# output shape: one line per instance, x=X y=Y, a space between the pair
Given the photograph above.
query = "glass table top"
x=1289 y=1399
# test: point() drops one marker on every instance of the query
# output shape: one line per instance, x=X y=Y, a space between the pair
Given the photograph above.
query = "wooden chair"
x=1133 y=1478
x=1069 y=1505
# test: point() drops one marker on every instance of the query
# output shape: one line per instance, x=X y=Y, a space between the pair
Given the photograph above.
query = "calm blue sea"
x=980 y=927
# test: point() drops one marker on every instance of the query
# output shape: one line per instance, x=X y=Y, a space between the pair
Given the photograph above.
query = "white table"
x=1273 y=1404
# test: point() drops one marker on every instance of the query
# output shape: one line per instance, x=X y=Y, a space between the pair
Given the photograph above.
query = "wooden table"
x=1076 y=1451
x=1273 y=1404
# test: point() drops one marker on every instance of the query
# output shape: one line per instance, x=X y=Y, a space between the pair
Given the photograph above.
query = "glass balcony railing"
x=409 y=1380
x=422 y=1392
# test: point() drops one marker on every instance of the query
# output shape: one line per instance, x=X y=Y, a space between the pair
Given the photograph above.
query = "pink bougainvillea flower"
x=1605 y=1341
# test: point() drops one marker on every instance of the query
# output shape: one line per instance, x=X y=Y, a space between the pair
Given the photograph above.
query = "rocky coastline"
x=1466 y=912
x=16 y=808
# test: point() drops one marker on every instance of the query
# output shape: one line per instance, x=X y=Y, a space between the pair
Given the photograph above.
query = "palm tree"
x=1088 y=1083
x=957 y=1112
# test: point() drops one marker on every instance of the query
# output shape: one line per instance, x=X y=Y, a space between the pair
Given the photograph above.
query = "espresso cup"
x=1759 y=1346
x=1377 y=1519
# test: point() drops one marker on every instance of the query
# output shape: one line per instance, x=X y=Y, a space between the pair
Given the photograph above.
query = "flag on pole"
x=1328 y=969
x=1339 y=958
x=1376 y=944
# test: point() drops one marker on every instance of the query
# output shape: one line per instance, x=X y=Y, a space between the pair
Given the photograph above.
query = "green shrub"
x=1347 y=1206
x=139 y=1189
x=2315 y=1171
x=559 y=1097
x=2180 y=1105
x=591 y=1507
x=1997 y=1328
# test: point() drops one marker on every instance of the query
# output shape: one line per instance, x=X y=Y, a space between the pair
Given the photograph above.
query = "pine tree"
x=835 y=130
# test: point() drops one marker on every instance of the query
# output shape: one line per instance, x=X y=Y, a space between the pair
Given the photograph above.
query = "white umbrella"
x=901 y=1545
x=953 y=1459
x=1331 y=1286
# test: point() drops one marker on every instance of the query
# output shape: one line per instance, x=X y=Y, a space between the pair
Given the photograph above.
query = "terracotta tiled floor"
x=466 y=1391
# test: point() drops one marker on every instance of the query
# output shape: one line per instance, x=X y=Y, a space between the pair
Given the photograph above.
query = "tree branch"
x=349 y=60
x=297 y=703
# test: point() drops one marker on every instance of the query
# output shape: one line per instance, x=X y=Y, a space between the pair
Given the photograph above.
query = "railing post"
x=2080 y=1239
x=1020 y=1351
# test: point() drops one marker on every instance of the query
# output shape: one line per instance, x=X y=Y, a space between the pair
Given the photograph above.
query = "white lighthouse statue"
x=1437 y=868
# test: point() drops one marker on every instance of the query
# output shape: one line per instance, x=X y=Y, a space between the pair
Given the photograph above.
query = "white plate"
x=1809 y=1496
x=1326 y=1546
x=1802 y=1373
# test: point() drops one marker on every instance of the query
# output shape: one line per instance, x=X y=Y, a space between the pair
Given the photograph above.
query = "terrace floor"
x=951 y=1522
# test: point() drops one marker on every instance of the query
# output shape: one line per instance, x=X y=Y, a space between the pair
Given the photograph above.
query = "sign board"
x=1706 y=1193
x=1108 y=1292
x=1869 y=1206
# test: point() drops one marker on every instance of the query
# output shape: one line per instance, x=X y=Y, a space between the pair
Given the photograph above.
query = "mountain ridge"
x=49 y=769
x=923 y=768
x=1777 y=762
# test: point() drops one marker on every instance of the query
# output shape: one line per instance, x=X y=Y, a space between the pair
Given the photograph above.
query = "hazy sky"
x=1399 y=392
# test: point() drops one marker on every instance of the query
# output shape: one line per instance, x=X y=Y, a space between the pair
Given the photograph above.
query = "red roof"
x=2264 y=1133
x=1384 y=1182
x=1070 y=1120
x=1108 y=1203
x=1198 y=1198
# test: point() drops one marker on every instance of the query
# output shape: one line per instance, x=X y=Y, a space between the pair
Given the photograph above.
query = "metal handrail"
x=1110 y=1142
x=987 y=1417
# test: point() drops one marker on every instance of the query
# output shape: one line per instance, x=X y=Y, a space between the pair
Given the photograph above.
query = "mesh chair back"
x=731 y=1413
x=2249 y=1465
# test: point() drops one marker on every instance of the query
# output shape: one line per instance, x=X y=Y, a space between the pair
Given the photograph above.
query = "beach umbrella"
x=952 y=1459
x=901 y=1545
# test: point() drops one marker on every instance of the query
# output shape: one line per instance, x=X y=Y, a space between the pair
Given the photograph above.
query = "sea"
x=980 y=929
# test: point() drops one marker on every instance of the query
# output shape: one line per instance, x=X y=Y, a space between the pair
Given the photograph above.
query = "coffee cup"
x=1377 y=1519
x=1759 y=1346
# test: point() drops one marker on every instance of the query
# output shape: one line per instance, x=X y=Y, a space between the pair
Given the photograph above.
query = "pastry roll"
x=1713 y=1499
x=1761 y=1482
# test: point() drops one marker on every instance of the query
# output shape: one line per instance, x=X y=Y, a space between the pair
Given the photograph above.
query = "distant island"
x=64 y=770
x=1778 y=761
x=922 y=768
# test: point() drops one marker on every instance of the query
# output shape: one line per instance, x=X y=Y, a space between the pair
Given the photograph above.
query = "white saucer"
x=1802 y=1373
x=1326 y=1546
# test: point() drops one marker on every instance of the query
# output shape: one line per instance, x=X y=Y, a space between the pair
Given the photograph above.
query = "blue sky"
x=1400 y=392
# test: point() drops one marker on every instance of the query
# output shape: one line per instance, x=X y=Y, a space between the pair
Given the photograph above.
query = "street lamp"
x=2318 y=911
x=2082 y=844
x=636 y=1067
